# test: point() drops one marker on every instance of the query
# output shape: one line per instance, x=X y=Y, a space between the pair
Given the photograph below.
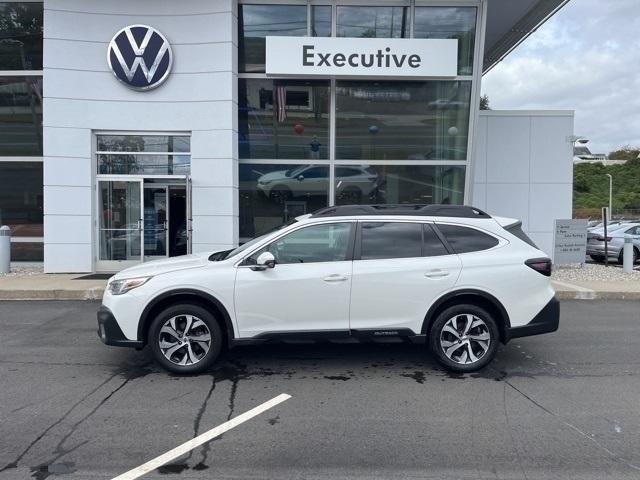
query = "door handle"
x=336 y=277
x=436 y=273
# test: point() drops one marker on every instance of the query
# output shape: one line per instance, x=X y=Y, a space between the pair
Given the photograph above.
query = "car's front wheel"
x=185 y=339
x=464 y=338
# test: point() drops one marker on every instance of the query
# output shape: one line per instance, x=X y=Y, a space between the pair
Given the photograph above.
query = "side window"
x=633 y=231
x=465 y=240
x=317 y=243
x=432 y=246
x=390 y=240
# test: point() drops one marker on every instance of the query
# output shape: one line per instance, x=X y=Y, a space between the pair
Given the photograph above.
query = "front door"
x=156 y=221
x=119 y=224
x=307 y=290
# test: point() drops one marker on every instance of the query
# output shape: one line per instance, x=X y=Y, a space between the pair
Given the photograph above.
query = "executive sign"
x=362 y=57
x=140 y=57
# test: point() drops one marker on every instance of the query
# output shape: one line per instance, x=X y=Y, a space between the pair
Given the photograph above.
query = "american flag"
x=281 y=103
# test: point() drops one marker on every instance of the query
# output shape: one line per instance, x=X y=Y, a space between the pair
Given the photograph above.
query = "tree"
x=625 y=153
x=484 y=102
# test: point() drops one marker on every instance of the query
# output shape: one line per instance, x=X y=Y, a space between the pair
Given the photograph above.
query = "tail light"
x=540 y=265
x=600 y=238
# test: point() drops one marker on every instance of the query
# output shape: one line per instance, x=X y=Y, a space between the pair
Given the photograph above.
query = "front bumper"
x=110 y=332
x=546 y=321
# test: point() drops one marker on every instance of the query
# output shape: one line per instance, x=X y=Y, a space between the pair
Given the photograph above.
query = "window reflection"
x=255 y=22
x=21 y=35
x=402 y=120
x=21 y=199
x=143 y=154
x=273 y=194
x=410 y=184
x=20 y=116
x=449 y=22
x=281 y=119
x=320 y=21
x=373 y=22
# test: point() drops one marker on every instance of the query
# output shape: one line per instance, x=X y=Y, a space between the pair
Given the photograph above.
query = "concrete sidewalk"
x=50 y=287
x=67 y=287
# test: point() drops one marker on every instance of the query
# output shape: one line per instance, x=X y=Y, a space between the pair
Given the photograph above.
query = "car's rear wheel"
x=185 y=339
x=621 y=256
x=597 y=258
x=464 y=338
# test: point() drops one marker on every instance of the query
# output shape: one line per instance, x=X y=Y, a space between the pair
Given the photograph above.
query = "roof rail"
x=461 y=211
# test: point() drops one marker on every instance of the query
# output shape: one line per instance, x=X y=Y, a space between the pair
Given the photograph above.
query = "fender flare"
x=205 y=297
x=465 y=291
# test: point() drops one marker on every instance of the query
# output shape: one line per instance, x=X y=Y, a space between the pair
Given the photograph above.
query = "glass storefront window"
x=411 y=184
x=372 y=22
x=21 y=35
x=21 y=116
x=255 y=22
x=392 y=120
x=143 y=154
x=27 y=251
x=283 y=119
x=449 y=22
x=320 y=21
x=21 y=198
x=272 y=194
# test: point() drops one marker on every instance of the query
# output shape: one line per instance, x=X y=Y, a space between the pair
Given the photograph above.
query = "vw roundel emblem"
x=140 y=57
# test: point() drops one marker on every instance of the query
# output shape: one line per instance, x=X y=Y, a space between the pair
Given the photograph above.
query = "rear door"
x=399 y=268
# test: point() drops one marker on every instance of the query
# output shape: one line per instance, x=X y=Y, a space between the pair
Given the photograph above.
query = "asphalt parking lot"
x=564 y=405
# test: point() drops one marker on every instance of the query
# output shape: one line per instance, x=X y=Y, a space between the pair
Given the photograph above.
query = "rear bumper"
x=546 y=321
x=110 y=332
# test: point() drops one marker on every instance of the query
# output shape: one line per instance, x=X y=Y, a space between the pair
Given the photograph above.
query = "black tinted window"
x=432 y=246
x=391 y=240
x=464 y=240
x=516 y=230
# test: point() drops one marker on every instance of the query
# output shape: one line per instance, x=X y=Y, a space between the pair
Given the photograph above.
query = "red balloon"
x=299 y=129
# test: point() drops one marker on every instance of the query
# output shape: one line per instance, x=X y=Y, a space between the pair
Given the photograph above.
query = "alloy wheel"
x=184 y=339
x=465 y=339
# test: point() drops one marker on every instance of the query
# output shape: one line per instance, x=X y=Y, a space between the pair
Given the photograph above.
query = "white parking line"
x=582 y=293
x=200 y=439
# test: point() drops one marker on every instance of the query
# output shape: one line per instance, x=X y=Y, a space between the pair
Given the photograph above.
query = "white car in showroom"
x=450 y=276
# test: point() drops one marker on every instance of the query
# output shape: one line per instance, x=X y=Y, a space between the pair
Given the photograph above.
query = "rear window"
x=516 y=230
x=465 y=240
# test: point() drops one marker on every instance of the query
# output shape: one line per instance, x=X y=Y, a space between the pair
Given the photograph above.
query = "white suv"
x=452 y=276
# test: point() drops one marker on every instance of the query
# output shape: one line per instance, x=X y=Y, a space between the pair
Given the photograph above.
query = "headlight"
x=118 y=287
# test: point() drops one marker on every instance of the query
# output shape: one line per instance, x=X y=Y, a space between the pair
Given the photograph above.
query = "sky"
x=585 y=58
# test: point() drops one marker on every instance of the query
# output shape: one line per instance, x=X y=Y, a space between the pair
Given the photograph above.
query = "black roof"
x=461 y=211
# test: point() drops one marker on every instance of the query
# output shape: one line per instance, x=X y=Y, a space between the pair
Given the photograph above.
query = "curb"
x=86 y=294
x=594 y=295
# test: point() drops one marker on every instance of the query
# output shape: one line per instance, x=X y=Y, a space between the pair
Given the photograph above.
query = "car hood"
x=156 y=267
x=271 y=176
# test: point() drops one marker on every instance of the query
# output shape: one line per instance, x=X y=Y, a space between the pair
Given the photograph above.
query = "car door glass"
x=465 y=240
x=390 y=240
x=317 y=243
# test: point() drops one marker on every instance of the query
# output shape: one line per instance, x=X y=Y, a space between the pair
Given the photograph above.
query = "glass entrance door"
x=119 y=224
x=156 y=221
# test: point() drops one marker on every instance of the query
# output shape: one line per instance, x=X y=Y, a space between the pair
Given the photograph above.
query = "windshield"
x=216 y=257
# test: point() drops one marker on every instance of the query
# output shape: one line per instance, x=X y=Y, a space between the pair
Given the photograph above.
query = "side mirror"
x=265 y=260
x=300 y=178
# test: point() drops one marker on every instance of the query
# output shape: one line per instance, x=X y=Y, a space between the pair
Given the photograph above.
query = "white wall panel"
x=480 y=196
x=509 y=200
x=68 y=171
x=215 y=172
x=545 y=198
x=67 y=228
x=508 y=149
x=214 y=200
x=214 y=144
x=215 y=229
x=76 y=84
x=67 y=258
x=551 y=150
x=67 y=142
x=178 y=29
x=67 y=200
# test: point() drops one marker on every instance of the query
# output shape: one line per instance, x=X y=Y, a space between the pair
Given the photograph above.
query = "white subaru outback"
x=451 y=276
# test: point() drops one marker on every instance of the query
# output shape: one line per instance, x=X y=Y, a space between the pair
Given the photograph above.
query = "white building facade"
x=214 y=149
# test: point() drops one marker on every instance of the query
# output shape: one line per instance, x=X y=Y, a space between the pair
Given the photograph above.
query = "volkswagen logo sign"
x=140 y=57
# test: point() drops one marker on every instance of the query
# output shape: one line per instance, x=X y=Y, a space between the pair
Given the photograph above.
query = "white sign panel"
x=362 y=57
x=570 y=241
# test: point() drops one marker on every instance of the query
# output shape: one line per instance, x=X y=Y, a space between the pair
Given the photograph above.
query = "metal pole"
x=610 y=195
x=5 y=249
x=605 y=215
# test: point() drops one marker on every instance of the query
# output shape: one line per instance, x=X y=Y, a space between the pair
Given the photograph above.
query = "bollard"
x=5 y=249
x=627 y=255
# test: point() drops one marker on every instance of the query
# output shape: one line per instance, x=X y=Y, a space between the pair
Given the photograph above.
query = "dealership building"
x=136 y=130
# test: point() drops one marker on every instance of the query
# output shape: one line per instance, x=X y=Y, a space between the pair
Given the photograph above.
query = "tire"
x=597 y=258
x=442 y=340
x=621 y=256
x=280 y=194
x=175 y=354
